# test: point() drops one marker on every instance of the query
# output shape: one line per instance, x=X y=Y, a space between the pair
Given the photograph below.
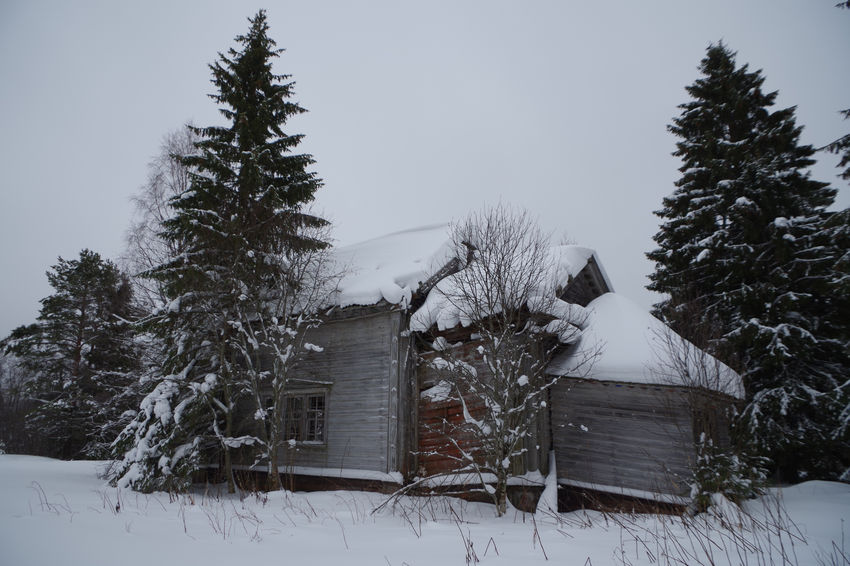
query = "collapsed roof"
x=394 y=267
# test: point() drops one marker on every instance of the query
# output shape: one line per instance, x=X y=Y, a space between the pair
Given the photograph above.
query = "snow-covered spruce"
x=751 y=268
x=248 y=276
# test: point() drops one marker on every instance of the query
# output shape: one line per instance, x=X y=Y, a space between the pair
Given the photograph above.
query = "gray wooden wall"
x=638 y=436
x=586 y=286
x=360 y=369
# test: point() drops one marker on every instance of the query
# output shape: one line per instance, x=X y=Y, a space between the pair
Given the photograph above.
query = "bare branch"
x=504 y=303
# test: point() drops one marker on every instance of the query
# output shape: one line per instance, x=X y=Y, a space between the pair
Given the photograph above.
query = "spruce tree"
x=740 y=243
x=242 y=226
x=835 y=247
x=80 y=357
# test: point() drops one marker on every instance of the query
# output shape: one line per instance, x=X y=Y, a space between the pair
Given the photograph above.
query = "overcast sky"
x=419 y=112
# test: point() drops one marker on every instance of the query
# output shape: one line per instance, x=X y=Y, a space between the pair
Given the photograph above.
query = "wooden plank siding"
x=360 y=371
x=586 y=286
x=436 y=450
x=621 y=435
x=408 y=409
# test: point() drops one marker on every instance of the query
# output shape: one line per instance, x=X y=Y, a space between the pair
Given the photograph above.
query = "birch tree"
x=145 y=247
x=272 y=340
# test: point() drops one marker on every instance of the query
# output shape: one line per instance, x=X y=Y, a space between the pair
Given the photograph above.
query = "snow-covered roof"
x=391 y=267
x=635 y=347
x=566 y=262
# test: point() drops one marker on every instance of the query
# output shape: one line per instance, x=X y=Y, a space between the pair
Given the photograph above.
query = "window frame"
x=304 y=419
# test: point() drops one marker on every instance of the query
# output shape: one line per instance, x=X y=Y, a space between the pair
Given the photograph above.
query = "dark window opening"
x=304 y=418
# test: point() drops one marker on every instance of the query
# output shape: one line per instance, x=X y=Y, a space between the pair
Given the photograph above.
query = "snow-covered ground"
x=54 y=512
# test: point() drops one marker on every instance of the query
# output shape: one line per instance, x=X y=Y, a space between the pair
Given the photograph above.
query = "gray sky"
x=419 y=112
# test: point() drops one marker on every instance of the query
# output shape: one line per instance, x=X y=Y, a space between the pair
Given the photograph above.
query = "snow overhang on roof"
x=635 y=347
x=566 y=263
x=392 y=267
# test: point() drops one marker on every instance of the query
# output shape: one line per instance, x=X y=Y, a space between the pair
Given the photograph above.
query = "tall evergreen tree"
x=835 y=239
x=242 y=226
x=741 y=242
x=80 y=357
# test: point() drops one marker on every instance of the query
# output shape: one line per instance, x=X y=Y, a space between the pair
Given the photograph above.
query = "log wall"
x=438 y=421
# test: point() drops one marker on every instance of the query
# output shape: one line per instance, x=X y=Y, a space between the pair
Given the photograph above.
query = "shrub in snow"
x=736 y=477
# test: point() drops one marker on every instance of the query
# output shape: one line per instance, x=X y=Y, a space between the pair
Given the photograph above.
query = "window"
x=304 y=417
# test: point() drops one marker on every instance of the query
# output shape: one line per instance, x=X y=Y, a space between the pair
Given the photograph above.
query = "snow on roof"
x=566 y=262
x=391 y=267
x=635 y=347
x=632 y=342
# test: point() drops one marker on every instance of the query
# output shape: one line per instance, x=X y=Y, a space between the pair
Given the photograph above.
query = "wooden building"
x=364 y=409
x=630 y=425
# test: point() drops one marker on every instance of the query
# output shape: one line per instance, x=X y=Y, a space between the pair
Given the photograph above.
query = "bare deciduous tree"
x=506 y=294
x=167 y=178
x=686 y=361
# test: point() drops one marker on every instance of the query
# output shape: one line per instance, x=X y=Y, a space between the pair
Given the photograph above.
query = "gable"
x=589 y=283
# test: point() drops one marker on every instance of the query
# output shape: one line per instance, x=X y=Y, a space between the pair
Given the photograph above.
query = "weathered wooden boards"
x=637 y=437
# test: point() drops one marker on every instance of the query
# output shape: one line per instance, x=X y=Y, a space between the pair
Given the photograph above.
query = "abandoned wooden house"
x=363 y=409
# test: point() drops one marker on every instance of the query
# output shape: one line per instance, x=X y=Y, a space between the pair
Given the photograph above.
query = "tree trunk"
x=501 y=493
x=274 y=473
x=228 y=433
x=228 y=458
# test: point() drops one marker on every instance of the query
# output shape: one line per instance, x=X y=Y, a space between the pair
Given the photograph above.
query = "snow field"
x=54 y=512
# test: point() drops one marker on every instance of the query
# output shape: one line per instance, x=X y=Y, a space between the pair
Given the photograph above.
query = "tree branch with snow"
x=504 y=300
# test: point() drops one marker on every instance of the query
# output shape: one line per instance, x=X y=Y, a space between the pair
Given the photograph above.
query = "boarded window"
x=304 y=417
